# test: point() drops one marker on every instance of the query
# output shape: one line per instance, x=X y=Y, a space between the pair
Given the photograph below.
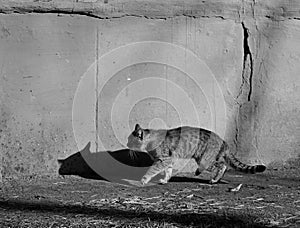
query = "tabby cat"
x=207 y=148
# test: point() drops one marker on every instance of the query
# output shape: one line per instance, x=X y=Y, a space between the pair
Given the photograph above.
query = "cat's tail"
x=242 y=167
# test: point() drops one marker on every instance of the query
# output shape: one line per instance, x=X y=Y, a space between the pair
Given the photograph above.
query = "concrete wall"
x=231 y=67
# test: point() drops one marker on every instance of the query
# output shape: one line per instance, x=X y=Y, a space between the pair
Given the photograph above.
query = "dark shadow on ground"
x=188 y=180
x=193 y=180
x=187 y=219
x=106 y=165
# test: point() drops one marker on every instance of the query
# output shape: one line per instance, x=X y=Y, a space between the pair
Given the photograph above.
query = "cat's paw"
x=212 y=181
x=163 y=181
x=144 y=180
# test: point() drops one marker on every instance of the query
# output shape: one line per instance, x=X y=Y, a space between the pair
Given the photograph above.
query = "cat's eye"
x=138 y=134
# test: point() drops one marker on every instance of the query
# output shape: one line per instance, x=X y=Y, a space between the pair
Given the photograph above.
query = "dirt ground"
x=271 y=199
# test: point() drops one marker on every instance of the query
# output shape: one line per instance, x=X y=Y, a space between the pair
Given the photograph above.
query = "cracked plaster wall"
x=251 y=47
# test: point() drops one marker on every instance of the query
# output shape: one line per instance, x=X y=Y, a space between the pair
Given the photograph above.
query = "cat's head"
x=75 y=163
x=143 y=139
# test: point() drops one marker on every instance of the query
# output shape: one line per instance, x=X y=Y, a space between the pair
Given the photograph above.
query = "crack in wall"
x=280 y=19
x=98 y=14
x=247 y=72
x=236 y=136
x=155 y=9
x=93 y=15
x=247 y=54
x=246 y=87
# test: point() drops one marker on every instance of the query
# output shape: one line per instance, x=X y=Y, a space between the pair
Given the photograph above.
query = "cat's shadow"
x=106 y=165
x=188 y=179
x=194 y=180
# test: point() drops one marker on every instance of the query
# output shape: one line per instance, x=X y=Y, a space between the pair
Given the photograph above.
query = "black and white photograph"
x=147 y=113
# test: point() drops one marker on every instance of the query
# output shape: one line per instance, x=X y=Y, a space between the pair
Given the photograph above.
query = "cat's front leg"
x=168 y=168
x=158 y=166
x=168 y=174
x=145 y=179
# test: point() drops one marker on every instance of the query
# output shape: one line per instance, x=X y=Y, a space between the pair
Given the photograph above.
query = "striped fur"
x=207 y=148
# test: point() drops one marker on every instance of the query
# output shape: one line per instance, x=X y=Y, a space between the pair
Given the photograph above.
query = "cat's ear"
x=137 y=127
x=60 y=161
x=87 y=147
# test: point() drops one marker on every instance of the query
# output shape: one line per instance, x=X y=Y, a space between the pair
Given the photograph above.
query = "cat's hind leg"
x=221 y=168
x=217 y=159
x=201 y=166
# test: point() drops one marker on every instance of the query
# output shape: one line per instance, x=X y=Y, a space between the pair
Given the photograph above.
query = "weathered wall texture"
x=252 y=49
